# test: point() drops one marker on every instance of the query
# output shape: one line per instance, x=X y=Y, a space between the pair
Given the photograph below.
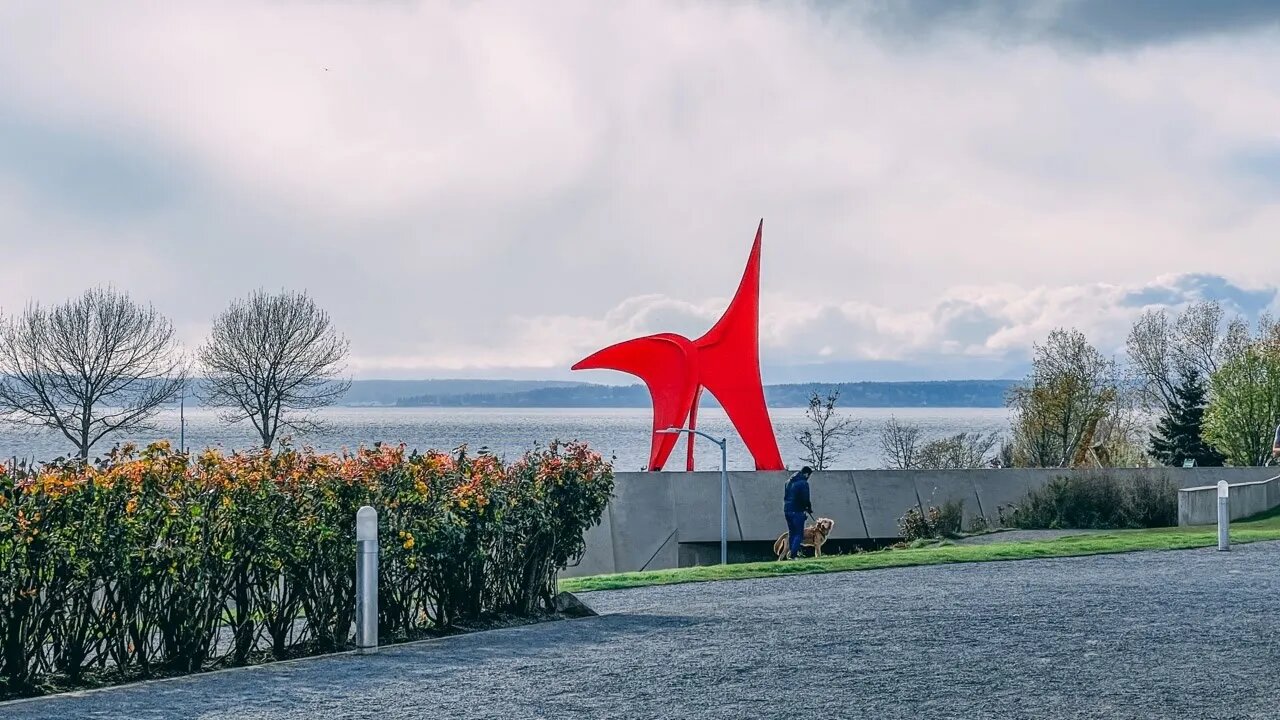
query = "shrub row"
x=157 y=563
x=1097 y=501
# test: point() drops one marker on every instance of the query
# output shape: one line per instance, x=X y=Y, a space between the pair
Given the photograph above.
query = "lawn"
x=1265 y=527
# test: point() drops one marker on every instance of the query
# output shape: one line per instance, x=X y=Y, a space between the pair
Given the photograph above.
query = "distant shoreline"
x=936 y=394
x=703 y=406
x=516 y=394
x=621 y=433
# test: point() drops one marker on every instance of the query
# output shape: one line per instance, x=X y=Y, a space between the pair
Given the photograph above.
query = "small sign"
x=1189 y=463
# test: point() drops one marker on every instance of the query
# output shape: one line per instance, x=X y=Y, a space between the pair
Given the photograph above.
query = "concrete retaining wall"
x=1199 y=505
x=656 y=519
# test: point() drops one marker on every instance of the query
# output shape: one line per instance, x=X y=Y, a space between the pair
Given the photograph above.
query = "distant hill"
x=940 y=393
x=585 y=395
x=390 y=392
x=566 y=394
x=946 y=393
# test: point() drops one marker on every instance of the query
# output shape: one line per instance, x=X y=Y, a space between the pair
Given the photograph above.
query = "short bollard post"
x=1224 y=516
x=366 y=580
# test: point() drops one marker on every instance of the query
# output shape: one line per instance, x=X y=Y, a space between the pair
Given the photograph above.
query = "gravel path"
x=1192 y=634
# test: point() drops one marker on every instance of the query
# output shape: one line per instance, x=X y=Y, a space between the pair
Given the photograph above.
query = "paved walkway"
x=1192 y=634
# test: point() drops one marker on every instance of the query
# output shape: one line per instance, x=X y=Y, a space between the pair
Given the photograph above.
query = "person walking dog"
x=795 y=505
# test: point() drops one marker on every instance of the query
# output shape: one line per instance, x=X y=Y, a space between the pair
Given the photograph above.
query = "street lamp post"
x=182 y=422
x=724 y=485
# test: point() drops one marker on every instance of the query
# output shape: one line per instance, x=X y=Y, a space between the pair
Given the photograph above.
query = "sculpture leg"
x=693 y=425
x=729 y=366
x=668 y=366
x=746 y=409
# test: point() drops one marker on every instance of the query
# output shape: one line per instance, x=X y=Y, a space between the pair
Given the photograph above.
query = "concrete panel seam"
x=613 y=541
x=655 y=552
x=978 y=498
x=734 y=504
x=862 y=515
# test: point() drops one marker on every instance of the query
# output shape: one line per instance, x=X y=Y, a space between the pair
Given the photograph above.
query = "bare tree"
x=1199 y=335
x=1162 y=351
x=1151 y=358
x=1119 y=438
x=900 y=444
x=1005 y=456
x=271 y=359
x=828 y=434
x=92 y=366
x=961 y=451
x=903 y=450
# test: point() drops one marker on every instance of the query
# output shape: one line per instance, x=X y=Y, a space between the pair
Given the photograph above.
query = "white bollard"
x=366 y=580
x=1224 y=516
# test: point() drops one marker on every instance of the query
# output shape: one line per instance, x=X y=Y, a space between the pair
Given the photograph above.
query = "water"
x=622 y=433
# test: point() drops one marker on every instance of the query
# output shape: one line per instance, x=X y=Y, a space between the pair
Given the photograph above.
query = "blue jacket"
x=795 y=499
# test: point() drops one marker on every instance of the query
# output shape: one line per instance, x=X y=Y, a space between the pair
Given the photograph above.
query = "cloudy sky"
x=496 y=189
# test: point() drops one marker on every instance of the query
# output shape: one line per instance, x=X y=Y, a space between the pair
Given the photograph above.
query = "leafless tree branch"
x=828 y=434
x=271 y=360
x=90 y=367
x=1162 y=350
x=900 y=444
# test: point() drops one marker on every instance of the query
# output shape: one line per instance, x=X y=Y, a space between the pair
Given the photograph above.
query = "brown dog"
x=814 y=536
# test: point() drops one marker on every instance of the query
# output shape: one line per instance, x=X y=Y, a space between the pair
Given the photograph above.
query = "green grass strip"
x=1266 y=527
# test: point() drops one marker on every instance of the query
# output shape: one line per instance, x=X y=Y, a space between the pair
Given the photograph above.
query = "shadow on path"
x=303 y=681
x=1117 y=636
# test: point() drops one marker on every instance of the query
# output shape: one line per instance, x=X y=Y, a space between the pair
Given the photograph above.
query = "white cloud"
x=473 y=188
x=993 y=326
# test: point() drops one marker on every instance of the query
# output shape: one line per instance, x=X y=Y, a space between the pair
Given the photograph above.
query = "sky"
x=497 y=189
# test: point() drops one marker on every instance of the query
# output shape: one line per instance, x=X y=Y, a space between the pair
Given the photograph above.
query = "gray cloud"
x=968 y=332
x=1103 y=23
x=101 y=174
x=965 y=323
x=496 y=189
x=1097 y=25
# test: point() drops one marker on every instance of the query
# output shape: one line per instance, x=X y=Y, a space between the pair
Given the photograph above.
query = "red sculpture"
x=725 y=361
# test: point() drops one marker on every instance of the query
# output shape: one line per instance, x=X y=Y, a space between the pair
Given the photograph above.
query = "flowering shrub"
x=936 y=523
x=153 y=562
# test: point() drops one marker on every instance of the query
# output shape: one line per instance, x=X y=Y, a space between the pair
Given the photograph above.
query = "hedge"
x=154 y=562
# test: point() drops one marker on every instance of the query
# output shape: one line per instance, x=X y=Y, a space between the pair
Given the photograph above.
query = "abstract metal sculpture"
x=725 y=361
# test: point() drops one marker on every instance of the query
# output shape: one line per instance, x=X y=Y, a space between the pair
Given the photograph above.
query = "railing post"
x=366 y=580
x=1224 y=516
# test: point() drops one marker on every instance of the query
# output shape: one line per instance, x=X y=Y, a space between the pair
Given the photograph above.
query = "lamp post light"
x=366 y=580
x=724 y=485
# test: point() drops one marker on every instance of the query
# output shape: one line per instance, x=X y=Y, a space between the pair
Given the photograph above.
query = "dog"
x=814 y=536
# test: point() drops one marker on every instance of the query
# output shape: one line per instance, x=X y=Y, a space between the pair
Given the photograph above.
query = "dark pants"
x=795 y=532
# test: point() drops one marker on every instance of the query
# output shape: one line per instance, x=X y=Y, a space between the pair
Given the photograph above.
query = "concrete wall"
x=656 y=519
x=1199 y=505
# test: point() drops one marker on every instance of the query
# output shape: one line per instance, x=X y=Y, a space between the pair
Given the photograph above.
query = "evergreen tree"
x=1178 y=434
